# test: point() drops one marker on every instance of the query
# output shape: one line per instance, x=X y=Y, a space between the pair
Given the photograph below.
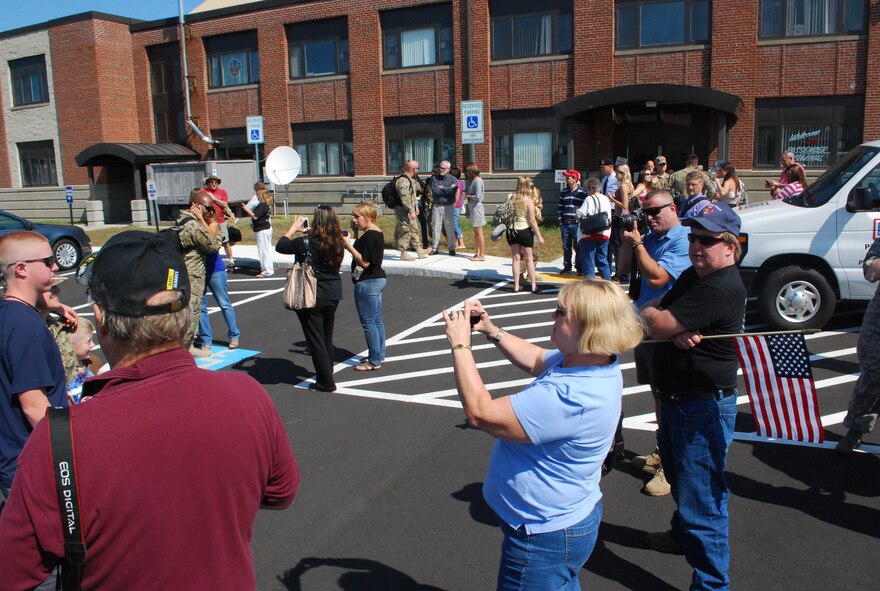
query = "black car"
x=69 y=243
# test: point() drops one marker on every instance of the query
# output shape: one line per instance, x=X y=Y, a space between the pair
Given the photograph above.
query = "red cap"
x=572 y=173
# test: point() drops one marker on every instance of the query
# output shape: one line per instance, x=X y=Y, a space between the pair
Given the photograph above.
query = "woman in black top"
x=261 y=222
x=324 y=245
x=369 y=281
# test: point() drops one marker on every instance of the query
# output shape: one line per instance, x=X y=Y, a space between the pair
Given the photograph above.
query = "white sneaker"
x=199 y=352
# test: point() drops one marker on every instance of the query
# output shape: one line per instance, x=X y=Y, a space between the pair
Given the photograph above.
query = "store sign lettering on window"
x=810 y=146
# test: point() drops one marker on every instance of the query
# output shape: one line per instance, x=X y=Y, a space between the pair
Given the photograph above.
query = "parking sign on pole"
x=472 y=122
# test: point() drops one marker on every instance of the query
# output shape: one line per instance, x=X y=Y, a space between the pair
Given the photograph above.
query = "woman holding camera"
x=369 y=281
x=323 y=246
x=552 y=437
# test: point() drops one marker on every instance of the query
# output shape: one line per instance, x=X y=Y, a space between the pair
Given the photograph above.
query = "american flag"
x=780 y=386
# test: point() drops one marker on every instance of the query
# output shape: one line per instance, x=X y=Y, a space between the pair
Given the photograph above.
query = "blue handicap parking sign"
x=255 y=134
x=473 y=122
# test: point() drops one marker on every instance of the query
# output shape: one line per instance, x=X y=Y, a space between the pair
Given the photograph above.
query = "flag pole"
x=745 y=334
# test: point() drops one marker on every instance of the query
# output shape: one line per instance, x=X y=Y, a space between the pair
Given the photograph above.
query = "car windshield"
x=827 y=185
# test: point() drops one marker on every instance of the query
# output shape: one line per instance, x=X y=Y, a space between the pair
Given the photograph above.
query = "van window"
x=827 y=185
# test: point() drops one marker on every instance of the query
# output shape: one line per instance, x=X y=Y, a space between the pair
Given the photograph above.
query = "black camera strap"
x=64 y=469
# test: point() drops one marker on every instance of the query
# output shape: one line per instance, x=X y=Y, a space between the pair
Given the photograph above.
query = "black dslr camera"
x=631 y=221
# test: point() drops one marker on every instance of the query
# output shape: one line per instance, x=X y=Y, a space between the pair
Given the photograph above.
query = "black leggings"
x=317 y=325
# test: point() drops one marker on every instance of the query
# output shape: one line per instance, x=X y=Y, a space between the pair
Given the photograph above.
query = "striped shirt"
x=569 y=202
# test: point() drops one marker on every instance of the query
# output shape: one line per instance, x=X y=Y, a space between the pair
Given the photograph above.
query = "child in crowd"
x=82 y=342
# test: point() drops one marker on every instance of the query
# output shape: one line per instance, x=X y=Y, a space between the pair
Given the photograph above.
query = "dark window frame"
x=840 y=114
x=504 y=14
x=433 y=16
x=302 y=35
x=441 y=128
x=507 y=124
x=244 y=42
x=25 y=69
x=234 y=145
x=636 y=32
x=785 y=6
x=34 y=172
x=326 y=133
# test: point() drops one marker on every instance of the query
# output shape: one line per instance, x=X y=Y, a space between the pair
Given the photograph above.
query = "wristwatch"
x=497 y=337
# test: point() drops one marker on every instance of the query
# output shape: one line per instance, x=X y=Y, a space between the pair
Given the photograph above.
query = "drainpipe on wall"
x=473 y=147
x=189 y=117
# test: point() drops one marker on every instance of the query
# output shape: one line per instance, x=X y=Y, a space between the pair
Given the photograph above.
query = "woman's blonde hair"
x=606 y=316
x=367 y=209
x=627 y=175
x=523 y=191
x=265 y=196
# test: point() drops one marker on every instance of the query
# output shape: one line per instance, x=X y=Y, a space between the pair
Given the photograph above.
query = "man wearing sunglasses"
x=662 y=256
x=31 y=372
x=695 y=380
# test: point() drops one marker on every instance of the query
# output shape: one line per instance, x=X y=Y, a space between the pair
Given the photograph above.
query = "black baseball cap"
x=606 y=162
x=132 y=267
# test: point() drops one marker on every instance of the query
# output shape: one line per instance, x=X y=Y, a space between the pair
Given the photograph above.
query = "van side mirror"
x=860 y=199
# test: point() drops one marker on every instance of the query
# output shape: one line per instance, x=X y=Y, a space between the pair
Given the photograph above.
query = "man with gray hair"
x=171 y=460
x=443 y=188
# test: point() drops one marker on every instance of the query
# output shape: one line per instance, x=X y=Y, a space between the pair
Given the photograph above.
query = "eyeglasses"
x=704 y=240
x=49 y=261
x=560 y=311
x=655 y=211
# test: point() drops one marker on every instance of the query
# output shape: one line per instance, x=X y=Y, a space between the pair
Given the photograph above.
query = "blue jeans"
x=694 y=437
x=569 y=243
x=551 y=560
x=456 y=222
x=216 y=282
x=368 y=301
x=594 y=254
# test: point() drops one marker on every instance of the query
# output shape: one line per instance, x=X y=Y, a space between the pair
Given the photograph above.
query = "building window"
x=527 y=141
x=318 y=48
x=326 y=149
x=520 y=28
x=167 y=93
x=795 y=18
x=234 y=145
x=426 y=139
x=819 y=130
x=233 y=60
x=649 y=23
x=37 y=164
x=417 y=36
x=29 y=85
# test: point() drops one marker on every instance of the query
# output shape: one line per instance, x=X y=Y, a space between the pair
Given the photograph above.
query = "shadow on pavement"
x=478 y=509
x=361 y=575
x=272 y=370
x=606 y=564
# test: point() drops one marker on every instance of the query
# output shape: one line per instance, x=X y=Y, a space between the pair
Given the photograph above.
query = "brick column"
x=481 y=46
x=197 y=66
x=5 y=172
x=368 y=126
x=872 y=83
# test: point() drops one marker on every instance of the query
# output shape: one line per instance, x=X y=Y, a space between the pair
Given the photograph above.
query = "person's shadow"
x=477 y=506
x=606 y=564
x=361 y=575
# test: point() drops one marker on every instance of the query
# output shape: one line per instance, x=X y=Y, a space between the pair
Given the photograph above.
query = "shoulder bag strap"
x=64 y=469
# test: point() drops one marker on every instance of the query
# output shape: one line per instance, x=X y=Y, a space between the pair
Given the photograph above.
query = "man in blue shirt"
x=31 y=373
x=570 y=200
x=662 y=255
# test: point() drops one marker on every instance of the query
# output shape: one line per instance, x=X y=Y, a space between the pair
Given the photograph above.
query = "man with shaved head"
x=31 y=372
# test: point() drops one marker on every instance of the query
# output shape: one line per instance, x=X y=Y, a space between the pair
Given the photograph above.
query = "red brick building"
x=358 y=86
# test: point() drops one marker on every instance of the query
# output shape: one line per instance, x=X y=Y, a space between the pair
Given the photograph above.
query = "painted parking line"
x=222 y=357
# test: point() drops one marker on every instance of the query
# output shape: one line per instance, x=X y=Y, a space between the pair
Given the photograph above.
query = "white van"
x=801 y=257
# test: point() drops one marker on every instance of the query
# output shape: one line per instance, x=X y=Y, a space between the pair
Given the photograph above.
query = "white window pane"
x=811 y=17
x=296 y=68
x=318 y=159
x=532 y=36
x=235 y=69
x=421 y=149
x=417 y=48
x=333 y=159
x=532 y=151
x=303 y=152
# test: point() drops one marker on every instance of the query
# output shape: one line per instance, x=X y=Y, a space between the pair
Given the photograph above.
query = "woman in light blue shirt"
x=544 y=470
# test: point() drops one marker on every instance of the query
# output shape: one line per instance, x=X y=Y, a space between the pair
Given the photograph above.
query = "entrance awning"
x=135 y=154
x=661 y=93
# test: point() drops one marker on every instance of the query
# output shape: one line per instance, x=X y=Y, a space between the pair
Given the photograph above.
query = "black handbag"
x=596 y=222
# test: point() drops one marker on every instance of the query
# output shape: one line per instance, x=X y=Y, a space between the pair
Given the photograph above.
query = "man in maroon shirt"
x=221 y=206
x=172 y=461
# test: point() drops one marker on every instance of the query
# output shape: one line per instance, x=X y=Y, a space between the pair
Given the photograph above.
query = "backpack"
x=172 y=234
x=505 y=213
x=390 y=196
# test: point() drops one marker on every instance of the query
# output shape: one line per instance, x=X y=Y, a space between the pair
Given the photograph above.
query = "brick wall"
x=5 y=173
x=872 y=83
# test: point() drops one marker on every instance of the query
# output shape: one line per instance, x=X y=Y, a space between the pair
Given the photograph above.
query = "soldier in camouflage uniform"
x=199 y=236
x=865 y=402
x=406 y=234
x=661 y=175
x=60 y=326
x=678 y=180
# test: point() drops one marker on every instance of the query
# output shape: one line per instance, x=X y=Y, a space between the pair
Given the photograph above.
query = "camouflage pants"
x=197 y=291
x=864 y=405
x=406 y=234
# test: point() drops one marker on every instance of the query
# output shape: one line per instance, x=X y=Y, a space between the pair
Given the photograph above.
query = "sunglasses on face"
x=704 y=240
x=560 y=311
x=49 y=261
x=654 y=211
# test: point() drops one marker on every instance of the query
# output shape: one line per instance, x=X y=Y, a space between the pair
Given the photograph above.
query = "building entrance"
x=645 y=130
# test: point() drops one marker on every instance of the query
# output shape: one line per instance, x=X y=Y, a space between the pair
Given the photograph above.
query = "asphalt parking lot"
x=391 y=475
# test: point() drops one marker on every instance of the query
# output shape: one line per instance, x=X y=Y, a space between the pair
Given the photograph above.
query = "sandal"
x=476 y=258
x=261 y=276
x=367 y=367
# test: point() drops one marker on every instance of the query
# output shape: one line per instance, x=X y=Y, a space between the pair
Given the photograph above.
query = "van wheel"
x=796 y=297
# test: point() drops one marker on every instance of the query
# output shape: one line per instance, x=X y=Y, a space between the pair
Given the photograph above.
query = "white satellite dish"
x=283 y=165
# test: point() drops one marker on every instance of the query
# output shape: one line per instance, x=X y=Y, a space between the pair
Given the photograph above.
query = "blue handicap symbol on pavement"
x=255 y=134
x=222 y=357
x=473 y=122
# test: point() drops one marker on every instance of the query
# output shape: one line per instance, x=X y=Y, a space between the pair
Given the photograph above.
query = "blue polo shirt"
x=29 y=359
x=671 y=252
x=570 y=415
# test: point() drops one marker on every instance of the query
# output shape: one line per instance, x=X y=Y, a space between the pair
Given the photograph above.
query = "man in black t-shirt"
x=695 y=380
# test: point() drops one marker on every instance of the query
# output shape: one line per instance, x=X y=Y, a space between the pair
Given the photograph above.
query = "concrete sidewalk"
x=440 y=266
